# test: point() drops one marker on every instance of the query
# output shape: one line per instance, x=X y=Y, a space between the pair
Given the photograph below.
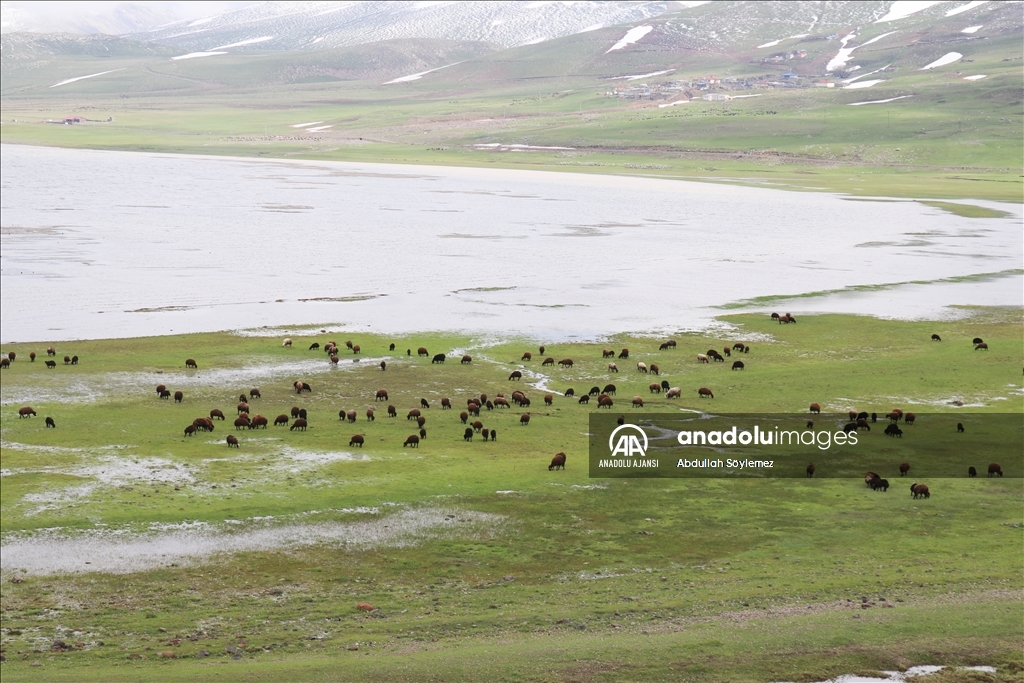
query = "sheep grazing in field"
x=654 y=388
x=315 y=346
x=412 y=441
x=524 y=419
x=880 y=484
x=356 y=440
x=704 y=391
x=191 y=363
x=281 y=419
x=584 y=399
x=383 y=366
x=286 y=342
x=994 y=469
x=570 y=392
x=516 y=375
x=381 y=395
x=232 y=441
x=623 y=354
x=422 y=351
x=50 y=424
x=548 y=361
x=178 y=397
x=815 y=408
x=638 y=402
x=466 y=360
x=438 y=358
x=810 y=470
x=190 y=430
x=26 y=411
x=557 y=462
x=904 y=468
x=565 y=362
x=392 y=411
x=674 y=392
x=977 y=340
x=300 y=424
x=641 y=367
x=981 y=347
x=936 y=337
x=607 y=353
x=242 y=422
x=527 y=356
x=959 y=427
x=413 y=414
x=738 y=365
x=655 y=370
x=893 y=430
x=612 y=367
x=971 y=471
x=870 y=477
x=920 y=491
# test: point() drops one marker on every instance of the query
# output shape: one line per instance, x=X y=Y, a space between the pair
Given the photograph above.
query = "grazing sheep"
x=424 y=403
x=570 y=392
x=190 y=430
x=726 y=351
x=605 y=401
x=494 y=435
x=904 y=468
x=412 y=441
x=50 y=364
x=516 y=375
x=920 y=490
x=315 y=346
x=641 y=367
x=163 y=394
x=815 y=408
x=738 y=365
x=609 y=389
x=524 y=419
x=466 y=359
x=287 y=342
x=810 y=424
x=704 y=391
x=863 y=424
x=233 y=440
x=810 y=470
x=356 y=349
x=936 y=337
x=607 y=353
x=880 y=484
x=26 y=411
x=302 y=413
x=594 y=391
x=775 y=316
x=959 y=427
x=446 y=404
x=548 y=399
x=67 y=360
x=464 y=415
x=420 y=421
x=971 y=472
x=352 y=416
x=392 y=411
x=422 y=351
x=584 y=399
x=671 y=343
x=50 y=423
x=565 y=362
x=548 y=361
x=300 y=424
x=178 y=397
x=540 y=350
x=255 y=393
x=893 y=430
x=612 y=367
x=638 y=402
x=190 y=363
x=243 y=408
x=674 y=392
x=438 y=358
x=258 y=422
x=381 y=395
x=383 y=366
x=977 y=340
x=160 y=388
x=414 y=413
x=909 y=418
x=655 y=370
x=557 y=462
x=356 y=440
x=281 y=419
x=994 y=468
x=74 y=360
x=664 y=345
x=242 y=422
x=654 y=388
x=981 y=347
x=624 y=354
x=527 y=356
x=870 y=477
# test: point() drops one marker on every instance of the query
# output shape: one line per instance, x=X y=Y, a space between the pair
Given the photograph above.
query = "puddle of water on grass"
x=119 y=552
x=902 y=676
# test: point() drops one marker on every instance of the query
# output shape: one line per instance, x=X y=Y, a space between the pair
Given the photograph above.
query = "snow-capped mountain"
x=315 y=25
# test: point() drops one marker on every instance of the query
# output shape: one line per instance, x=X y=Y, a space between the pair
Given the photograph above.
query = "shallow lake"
x=102 y=244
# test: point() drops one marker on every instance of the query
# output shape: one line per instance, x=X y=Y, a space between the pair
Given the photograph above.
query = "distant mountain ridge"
x=315 y=25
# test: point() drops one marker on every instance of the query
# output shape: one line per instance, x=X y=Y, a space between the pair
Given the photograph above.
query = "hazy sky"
x=105 y=17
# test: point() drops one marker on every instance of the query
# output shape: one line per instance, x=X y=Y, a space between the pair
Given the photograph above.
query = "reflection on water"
x=104 y=244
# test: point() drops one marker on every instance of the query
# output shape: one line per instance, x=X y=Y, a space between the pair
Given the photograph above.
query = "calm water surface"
x=112 y=244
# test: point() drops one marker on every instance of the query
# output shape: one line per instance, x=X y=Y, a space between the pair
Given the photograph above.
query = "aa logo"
x=623 y=441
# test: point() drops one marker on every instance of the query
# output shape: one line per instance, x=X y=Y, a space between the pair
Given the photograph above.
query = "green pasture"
x=572 y=578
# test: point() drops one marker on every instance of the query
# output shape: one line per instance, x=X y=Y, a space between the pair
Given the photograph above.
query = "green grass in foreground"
x=735 y=581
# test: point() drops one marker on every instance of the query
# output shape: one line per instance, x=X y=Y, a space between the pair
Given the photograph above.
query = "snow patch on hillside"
x=632 y=36
x=902 y=9
x=80 y=78
x=945 y=59
x=193 y=55
x=964 y=8
x=971 y=29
